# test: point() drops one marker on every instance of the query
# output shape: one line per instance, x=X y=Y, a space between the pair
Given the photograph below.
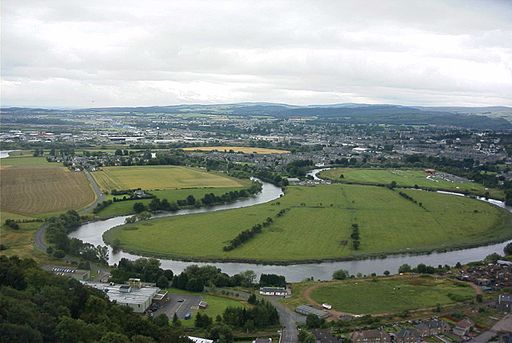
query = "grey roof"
x=115 y=293
x=306 y=309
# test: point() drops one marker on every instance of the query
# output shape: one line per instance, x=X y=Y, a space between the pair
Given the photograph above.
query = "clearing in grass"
x=382 y=295
x=317 y=225
x=408 y=178
x=161 y=177
x=31 y=186
x=242 y=149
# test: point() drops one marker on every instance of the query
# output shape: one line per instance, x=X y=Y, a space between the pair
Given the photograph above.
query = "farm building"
x=139 y=299
x=306 y=309
x=273 y=291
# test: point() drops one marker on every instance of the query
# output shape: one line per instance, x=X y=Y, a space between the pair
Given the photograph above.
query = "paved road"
x=504 y=325
x=39 y=238
x=100 y=197
x=289 y=320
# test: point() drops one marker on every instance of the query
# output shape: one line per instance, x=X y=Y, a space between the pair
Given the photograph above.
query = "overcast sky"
x=124 y=53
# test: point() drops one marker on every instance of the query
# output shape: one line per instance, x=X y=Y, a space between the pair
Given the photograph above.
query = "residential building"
x=370 y=336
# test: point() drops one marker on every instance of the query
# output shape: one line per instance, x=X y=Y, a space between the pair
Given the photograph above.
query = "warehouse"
x=139 y=299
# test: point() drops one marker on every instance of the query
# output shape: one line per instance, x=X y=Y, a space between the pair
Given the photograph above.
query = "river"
x=92 y=233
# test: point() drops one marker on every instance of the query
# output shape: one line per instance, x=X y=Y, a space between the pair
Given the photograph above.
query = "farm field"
x=30 y=186
x=126 y=207
x=242 y=149
x=21 y=242
x=161 y=177
x=317 y=226
x=405 y=178
x=381 y=295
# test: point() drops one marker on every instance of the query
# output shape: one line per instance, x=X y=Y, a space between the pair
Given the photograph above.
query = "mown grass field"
x=404 y=178
x=161 y=177
x=21 y=242
x=30 y=186
x=126 y=207
x=242 y=149
x=317 y=226
x=391 y=295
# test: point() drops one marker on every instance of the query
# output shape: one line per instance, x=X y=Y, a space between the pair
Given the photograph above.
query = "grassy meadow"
x=161 y=177
x=404 y=178
x=242 y=149
x=31 y=186
x=317 y=226
x=380 y=295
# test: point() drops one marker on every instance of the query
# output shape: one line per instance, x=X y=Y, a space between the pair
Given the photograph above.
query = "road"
x=504 y=325
x=100 y=197
x=289 y=320
x=181 y=308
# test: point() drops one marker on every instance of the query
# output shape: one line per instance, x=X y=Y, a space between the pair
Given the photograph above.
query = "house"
x=432 y=327
x=505 y=302
x=407 y=336
x=280 y=291
x=463 y=327
x=370 y=336
x=324 y=336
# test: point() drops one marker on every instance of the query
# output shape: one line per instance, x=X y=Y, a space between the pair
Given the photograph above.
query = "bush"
x=340 y=274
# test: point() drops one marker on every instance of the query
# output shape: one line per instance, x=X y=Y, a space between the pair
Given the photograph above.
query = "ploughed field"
x=407 y=178
x=381 y=295
x=317 y=225
x=31 y=186
x=242 y=149
x=161 y=177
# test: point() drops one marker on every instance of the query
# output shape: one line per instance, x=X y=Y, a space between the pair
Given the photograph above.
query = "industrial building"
x=131 y=295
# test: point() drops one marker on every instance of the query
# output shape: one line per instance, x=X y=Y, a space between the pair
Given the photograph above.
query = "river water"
x=92 y=233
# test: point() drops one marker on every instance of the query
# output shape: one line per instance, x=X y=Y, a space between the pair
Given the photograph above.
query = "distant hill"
x=497 y=117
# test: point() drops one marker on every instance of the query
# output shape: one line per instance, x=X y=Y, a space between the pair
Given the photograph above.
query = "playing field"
x=32 y=186
x=387 y=295
x=161 y=177
x=242 y=149
x=406 y=178
x=317 y=226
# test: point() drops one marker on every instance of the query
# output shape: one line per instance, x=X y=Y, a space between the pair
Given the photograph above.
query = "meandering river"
x=92 y=233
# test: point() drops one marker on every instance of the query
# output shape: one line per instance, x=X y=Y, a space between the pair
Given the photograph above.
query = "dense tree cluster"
x=272 y=280
x=262 y=314
x=246 y=235
x=37 y=306
x=12 y=224
x=298 y=168
x=146 y=269
x=57 y=231
x=195 y=278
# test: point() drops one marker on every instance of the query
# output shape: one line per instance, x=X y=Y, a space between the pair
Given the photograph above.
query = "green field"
x=404 y=178
x=216 y=305
x=390 y=296
x=317 y=226
x=123 y=208
x=161 y=177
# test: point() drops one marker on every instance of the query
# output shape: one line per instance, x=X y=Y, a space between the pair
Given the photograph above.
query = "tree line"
x=246 y=235
x=57 y=230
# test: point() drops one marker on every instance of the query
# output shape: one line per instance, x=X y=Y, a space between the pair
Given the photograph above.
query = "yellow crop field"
x=29 y=190
x=161 y=177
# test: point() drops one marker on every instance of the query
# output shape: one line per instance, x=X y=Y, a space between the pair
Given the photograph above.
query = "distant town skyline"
x=58 y=53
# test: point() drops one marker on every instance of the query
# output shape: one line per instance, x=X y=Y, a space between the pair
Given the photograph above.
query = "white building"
x=139 y=299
